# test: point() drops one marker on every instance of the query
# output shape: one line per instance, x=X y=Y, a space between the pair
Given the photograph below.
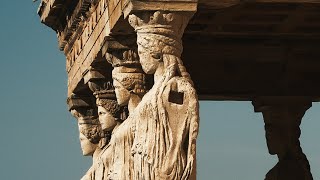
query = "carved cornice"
x=86 y=30
x=54 y=13
x=80 y=14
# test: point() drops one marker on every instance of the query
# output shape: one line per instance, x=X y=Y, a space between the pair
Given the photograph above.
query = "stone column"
x=282 y=117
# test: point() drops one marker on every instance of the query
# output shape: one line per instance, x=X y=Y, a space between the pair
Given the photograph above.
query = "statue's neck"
x=168 y=60
x=133 y=102
x=291 y=153
x=95 y=155
x=159 y=72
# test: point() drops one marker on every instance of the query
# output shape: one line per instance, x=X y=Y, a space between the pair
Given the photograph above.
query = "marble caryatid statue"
x=111 y=116
x=89 y=130
x=128 y=78
x=129 y=82
x=282 y=135
x=282 y=118
x=166 y=120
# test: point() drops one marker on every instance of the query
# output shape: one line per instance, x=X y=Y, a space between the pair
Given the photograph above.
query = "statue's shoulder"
x=180 y=90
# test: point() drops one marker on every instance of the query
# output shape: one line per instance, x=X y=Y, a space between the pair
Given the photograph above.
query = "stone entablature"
x=272 y=30
x=86 y=31
x=87 y=44
x=79 y=15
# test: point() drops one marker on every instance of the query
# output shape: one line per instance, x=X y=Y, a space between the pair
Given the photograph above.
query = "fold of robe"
x=158 y=139
x=166 y=129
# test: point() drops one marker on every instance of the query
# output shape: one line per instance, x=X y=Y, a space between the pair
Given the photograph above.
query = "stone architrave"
x=282 y=117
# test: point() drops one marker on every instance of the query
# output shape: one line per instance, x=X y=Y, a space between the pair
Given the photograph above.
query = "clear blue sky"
x=39 y=138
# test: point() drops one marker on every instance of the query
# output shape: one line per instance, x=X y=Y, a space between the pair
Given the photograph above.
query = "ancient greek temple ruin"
x=138 y=68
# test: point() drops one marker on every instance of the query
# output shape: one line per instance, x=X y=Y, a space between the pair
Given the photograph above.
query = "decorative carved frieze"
x=87 y=45
x=79 y=15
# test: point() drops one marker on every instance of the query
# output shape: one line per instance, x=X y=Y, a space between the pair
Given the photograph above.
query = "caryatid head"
x=128 y=76
x=109 y=112
x=89 y=127
x=158 y=35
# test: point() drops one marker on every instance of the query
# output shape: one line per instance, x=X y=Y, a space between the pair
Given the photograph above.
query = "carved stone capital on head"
x=85 y=105
x=159 y=40
x=161 y=31
x=127 y=74
x=95 y=79
x=263 y=103
x=160 y=22
x=82 y=107
x=74 y=102
x=121 y=51
x=123 y=57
